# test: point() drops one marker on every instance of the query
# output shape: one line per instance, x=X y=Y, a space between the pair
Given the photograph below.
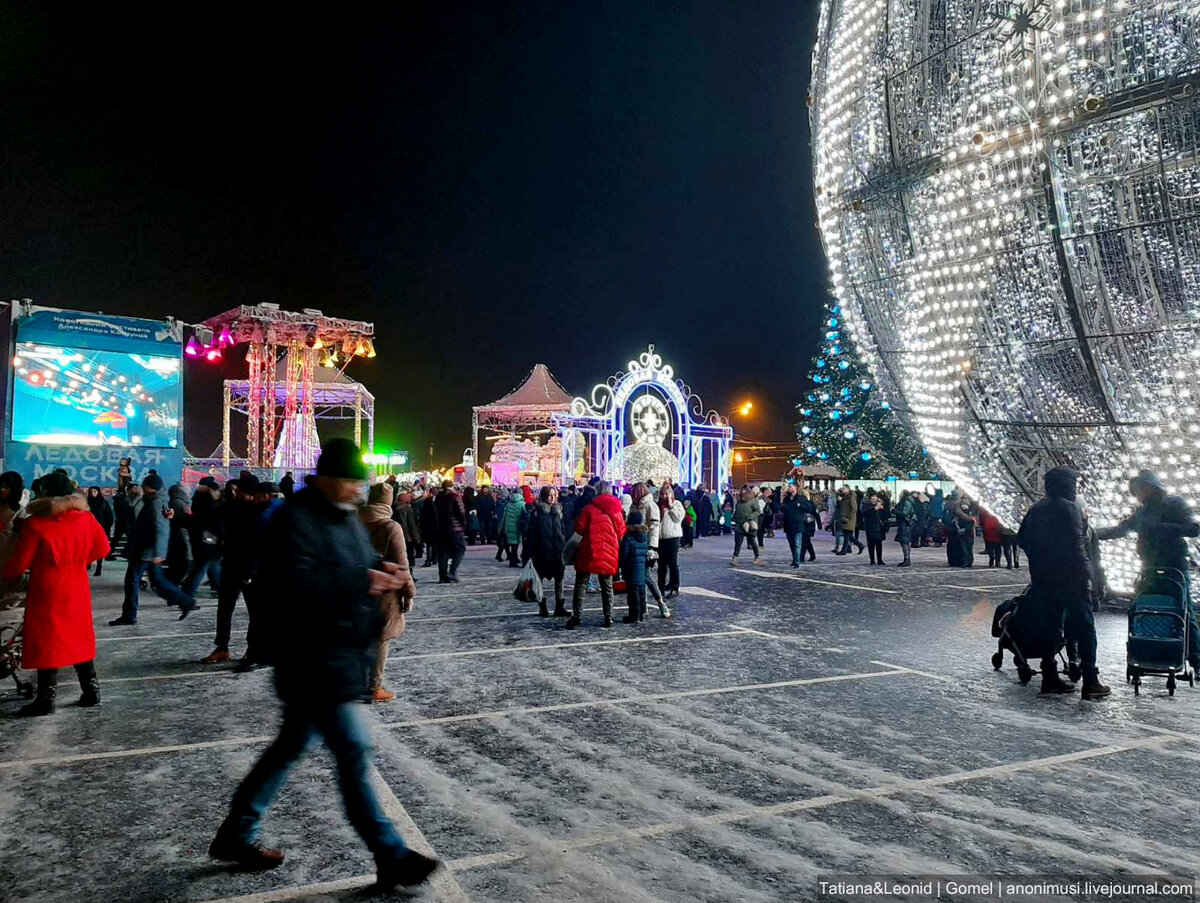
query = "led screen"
x=81 y=396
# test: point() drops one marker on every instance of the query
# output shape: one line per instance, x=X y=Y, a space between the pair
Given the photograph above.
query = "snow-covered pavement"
x=785 y=724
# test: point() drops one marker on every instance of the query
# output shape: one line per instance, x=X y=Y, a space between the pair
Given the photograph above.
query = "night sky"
x=491 y=186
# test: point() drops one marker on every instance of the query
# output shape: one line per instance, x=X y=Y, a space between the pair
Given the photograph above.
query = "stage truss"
x=282 y=397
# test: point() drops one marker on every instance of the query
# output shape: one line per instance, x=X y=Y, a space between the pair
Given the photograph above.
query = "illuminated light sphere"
x=866 y=456
x=1008 y=195
x=849 y=434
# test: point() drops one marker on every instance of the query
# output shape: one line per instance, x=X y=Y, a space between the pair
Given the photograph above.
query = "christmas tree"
x=845 y=424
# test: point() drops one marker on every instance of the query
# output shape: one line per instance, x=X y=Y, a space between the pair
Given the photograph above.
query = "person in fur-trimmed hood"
x=56 y=544
x=387 y=538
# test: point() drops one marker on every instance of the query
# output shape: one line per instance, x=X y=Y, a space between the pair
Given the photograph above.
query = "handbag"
x=749 y=527
x=571 y=549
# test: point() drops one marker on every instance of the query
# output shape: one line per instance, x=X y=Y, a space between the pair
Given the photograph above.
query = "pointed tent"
x=540 y=390
x=530 y=406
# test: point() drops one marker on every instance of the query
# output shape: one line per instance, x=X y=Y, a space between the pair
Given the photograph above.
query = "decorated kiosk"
x=644 y=424
x=521 y=429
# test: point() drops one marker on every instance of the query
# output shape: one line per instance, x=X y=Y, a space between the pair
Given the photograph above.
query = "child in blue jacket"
x=634 y=548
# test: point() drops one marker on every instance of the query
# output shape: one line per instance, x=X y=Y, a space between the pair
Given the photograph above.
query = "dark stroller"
x=1031 y=631
x=10 y=658
x=1158 y=629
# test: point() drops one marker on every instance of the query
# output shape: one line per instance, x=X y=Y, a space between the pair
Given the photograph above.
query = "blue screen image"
x=83 y=396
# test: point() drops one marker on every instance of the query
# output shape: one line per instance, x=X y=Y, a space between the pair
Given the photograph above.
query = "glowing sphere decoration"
x=1009 y=197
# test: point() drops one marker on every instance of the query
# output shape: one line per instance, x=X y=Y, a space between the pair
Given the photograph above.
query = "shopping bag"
x=529 y=585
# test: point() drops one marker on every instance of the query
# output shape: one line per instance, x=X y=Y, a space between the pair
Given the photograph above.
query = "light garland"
x=1008 y=195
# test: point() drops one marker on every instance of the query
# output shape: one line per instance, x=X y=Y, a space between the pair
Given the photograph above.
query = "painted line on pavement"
x=774 y=575
x=937 y=677
x=642 y=700
x=542 y=646
x=441 y=881
x=213 y=672
x=451 y=719
x=706 y=593
x=981 y=589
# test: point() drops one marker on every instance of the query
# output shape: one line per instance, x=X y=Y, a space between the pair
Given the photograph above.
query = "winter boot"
x=543 y=611
x=560 y=609
x=89 y=683
x=1092 y=688
x=632 y=617
x=642 y=609
x=576 y=613
x=1053 y=683
x=608 y=621
x=47 y=690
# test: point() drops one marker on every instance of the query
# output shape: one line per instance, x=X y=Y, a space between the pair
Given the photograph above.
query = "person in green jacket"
x=511 y=527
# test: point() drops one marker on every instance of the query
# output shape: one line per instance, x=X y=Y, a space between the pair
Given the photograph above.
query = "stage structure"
x=331 y=395
x=282 y=396
x=522 y=427
x=644 y=424
x=1009 y=194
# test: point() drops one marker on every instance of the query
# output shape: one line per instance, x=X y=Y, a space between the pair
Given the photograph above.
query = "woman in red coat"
x=602 y=525
x=993 y=538
x=56 y=543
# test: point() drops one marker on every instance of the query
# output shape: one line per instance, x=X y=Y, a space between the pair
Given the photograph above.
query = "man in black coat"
x=1163 y=524
x=325 y=580
x=485 y=508
x=241 y=546
x=1054 y=537
x=451 y=532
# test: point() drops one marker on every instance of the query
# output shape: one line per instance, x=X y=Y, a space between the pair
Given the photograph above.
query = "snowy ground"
x=784 y=724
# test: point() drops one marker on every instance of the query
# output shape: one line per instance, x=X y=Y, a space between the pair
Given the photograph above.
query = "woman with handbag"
x=670 y=537
x=745 y=525
x=545 y=540
x=601 y=526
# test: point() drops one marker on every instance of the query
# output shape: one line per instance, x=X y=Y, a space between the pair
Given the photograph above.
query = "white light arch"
x=699 y=441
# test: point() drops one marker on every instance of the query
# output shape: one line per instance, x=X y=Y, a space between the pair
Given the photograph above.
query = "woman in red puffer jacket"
x=602 y=526
x=992 y=537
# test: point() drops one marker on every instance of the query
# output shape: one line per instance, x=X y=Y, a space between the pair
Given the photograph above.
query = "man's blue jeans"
x=203 y=564
x=164 y=587
x=341 y=727
x=794 y=540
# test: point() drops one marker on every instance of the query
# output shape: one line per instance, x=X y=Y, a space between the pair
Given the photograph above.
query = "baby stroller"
x=10 y=658
x=1158 y=630
x=1031 y=631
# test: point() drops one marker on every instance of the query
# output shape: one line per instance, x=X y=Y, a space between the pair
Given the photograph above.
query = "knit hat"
x=247 y=483
x=380 y=494
x=268 y=488
x=341 y=459
x=153 y=481
x=209 y=482
x=56 y=484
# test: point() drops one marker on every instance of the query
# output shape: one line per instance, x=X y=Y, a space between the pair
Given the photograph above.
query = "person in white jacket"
x=670 y=536
x=644 y=501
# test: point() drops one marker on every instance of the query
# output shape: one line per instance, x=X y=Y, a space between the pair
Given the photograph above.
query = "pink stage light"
x=213 y=354
x=225 y=339
x=192 y=349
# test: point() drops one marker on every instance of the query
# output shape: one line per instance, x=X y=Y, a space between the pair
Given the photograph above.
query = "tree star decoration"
x=1009 y=197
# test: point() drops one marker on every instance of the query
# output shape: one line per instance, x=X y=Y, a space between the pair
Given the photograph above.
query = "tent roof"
x=540 y=391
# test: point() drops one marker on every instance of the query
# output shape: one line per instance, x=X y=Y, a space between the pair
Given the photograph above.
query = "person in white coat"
x=670 y=535
x=644 y=501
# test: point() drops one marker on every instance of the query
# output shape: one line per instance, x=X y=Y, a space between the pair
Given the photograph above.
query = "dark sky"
x=491 y=186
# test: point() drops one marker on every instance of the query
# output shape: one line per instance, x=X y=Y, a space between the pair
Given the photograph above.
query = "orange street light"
x=737 y=456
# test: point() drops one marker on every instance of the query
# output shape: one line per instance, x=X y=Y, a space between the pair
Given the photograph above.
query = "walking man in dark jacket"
x=1163 y=524
x=240 y=554
x=1054 y=538
x=325 y=581
x=451 y=532
x=147 y=551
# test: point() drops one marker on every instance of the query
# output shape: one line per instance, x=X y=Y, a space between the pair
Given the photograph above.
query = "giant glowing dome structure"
x=1008 y=194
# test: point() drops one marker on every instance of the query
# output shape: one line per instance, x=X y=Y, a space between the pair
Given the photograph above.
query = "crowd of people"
x=327 y=578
